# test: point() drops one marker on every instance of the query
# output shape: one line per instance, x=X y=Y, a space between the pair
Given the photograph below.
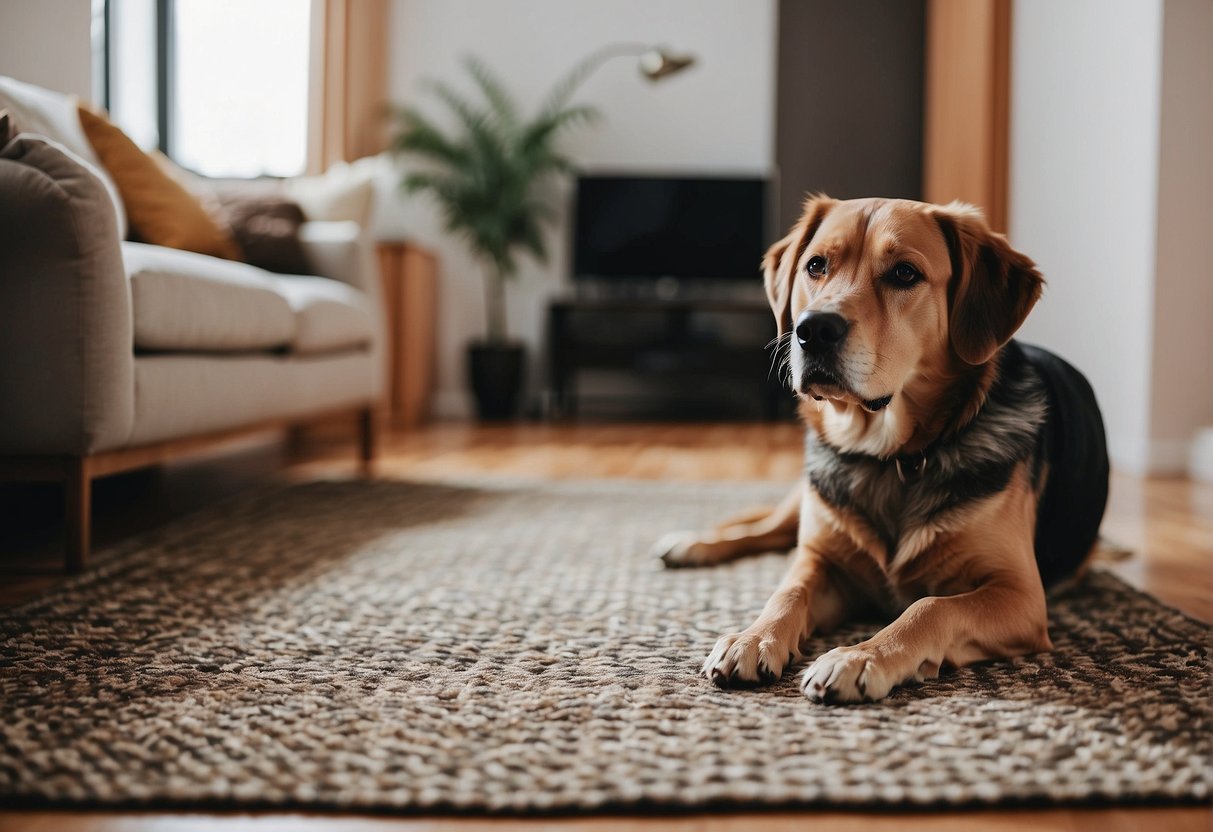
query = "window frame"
x=165 y=75
x=164 y=67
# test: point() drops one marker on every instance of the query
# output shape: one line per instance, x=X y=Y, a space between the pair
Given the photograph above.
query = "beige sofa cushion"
x=329 y=315
x=188 y=395
x=185 y=302
x=188 y=302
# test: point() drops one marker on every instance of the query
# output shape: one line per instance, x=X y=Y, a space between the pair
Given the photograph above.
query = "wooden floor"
x=1169 y=524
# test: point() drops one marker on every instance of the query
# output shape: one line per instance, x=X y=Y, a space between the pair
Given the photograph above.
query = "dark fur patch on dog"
x=973 y=463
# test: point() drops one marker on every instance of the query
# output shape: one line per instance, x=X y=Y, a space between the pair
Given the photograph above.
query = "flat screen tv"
x=711 y=228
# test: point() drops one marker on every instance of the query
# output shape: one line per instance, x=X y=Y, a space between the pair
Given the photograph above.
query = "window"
x=221 y=86
x=131 y=36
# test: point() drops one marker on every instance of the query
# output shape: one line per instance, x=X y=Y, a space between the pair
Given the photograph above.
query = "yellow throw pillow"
x=161 y=211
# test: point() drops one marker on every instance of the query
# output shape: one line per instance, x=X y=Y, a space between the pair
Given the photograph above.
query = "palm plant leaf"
x=550 y=121
x=562 y=91
x=504 y=107
x=537 y=134
x=485 y=139
x=488 y=175
x=423 y=137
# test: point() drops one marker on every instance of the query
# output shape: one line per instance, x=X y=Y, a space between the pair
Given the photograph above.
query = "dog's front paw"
x=744 y=659
x=680 y=549
x=846 y=674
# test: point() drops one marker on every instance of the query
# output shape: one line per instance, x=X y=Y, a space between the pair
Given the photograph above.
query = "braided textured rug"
x=511 y=647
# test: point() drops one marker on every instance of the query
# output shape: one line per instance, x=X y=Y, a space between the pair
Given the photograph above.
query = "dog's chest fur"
x=978 y=461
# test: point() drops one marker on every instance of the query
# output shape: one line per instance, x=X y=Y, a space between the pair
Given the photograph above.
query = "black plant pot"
x=496 y=372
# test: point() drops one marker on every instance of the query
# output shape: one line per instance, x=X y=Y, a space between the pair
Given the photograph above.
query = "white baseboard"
x=1168 y=457
x=1200 y=457
x=451 y=404
x=1129 y=457
x=458 y=404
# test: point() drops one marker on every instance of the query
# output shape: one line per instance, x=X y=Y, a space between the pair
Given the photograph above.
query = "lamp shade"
x=656 y=64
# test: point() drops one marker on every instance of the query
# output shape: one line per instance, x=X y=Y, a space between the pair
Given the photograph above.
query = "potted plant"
x=491 y=178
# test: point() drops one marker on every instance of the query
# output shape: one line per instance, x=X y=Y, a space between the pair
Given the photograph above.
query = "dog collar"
x=911 y=464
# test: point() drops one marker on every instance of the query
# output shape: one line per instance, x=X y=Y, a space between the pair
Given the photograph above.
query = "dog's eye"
x=903 y=274
x=816 y=267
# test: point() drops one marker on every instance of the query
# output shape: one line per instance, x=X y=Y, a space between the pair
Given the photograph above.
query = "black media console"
x=709 y=356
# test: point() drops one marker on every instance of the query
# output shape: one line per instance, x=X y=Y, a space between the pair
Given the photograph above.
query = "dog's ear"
x=779 y=264
x=993 y=286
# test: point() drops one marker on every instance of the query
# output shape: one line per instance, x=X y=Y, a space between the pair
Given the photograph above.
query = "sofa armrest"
x=66 y=357
x=341 y=251
x=344 y=251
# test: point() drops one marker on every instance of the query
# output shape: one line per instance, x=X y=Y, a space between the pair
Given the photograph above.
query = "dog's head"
x=876 y=296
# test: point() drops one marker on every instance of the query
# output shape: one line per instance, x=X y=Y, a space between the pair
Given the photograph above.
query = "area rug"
x=512 y=647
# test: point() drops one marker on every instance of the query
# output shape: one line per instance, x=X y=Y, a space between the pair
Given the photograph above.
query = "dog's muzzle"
x=821 y=334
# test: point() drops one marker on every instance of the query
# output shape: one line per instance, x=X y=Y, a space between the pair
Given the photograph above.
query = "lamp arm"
x=614 y=50
x=587 y=66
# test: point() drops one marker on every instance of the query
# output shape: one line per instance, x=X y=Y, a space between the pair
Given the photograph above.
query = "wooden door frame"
x=966 y=123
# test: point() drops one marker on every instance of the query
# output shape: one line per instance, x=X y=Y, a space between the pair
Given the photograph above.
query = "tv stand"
x=694 y=343
x=667 y=289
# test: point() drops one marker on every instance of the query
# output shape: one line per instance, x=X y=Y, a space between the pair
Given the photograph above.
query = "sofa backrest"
x=54 y=116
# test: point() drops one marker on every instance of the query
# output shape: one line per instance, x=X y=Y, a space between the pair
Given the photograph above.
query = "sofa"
x=117 y=354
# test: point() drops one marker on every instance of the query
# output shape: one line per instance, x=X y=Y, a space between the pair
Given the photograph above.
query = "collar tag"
x=914 y=466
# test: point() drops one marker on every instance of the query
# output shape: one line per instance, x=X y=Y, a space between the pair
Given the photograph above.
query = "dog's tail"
x=1104 y=551
x=1109 y=551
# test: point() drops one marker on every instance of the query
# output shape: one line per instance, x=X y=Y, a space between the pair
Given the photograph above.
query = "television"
x=692 y=228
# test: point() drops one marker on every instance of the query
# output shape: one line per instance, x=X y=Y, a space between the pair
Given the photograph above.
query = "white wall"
x=47 y=42
x=1110 y=190
x=1181 y=390
x=717 y=116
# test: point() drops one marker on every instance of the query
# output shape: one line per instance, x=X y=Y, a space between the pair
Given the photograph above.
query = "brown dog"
x=952 y=475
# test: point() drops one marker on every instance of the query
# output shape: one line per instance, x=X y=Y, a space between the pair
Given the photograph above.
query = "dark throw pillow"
x=266 y=226
x=8 y=130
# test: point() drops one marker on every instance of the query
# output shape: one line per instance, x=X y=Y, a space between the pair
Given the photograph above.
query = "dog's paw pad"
x=845 y=675
x=677 y=549
x=744 y=660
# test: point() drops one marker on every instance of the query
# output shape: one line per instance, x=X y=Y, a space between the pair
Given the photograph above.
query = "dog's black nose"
x=821 y=332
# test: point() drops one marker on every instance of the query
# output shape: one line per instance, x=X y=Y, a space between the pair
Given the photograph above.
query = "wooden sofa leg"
x=296 y=440
x=367 y=438
x=77 y=499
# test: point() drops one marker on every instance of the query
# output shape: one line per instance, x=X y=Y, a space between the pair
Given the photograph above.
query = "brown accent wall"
x=849 y=100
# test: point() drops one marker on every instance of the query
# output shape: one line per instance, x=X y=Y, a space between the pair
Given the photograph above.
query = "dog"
x=952 y=476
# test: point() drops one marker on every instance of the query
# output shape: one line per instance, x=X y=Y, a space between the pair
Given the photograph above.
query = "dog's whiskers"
x=781 y=367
